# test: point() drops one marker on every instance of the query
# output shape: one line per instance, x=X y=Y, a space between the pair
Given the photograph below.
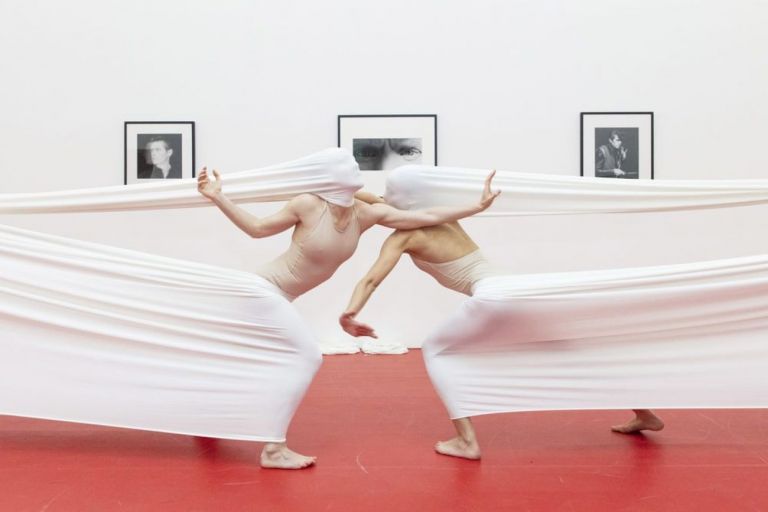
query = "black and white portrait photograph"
x=159 y=151
x=617 y=145
x=384 y=142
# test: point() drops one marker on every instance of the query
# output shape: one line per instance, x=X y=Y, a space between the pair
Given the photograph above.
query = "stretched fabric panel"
x=331 y=174
x=108 y=336
x=681 y=336
x=416 y=186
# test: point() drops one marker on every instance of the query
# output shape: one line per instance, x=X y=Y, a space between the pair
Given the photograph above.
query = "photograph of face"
x=386 y=154
x=159 y=156
x=616 y=153
x=158 y=150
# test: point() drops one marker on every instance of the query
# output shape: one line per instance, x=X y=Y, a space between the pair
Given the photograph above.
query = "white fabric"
x=415 y=186
x=102 y=335
x=682 y=336
x=377 y=346
x=339 y=345
x=113 y=337
x=331 y=174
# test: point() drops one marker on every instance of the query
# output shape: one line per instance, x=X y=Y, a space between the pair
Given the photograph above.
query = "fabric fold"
x=417 y=186
x=107 y=336
x=677 y=336
x=331 y=174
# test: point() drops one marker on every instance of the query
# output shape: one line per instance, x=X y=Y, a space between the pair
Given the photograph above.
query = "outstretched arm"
x=389 y=255
x=254 y=226
x=368 y=197
x=404 y=219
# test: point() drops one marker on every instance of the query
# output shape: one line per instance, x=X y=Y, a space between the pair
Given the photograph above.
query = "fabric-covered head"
x=400 y=186
x=343 y=174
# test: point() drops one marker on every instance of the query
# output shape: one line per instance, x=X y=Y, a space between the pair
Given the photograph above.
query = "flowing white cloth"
x=101 y=335
x=331 y=174
x=417 y=186
x=682 y=336
x=95 y=334
x=693 y=335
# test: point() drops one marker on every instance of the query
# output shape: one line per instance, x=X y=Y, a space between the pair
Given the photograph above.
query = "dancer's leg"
x=644 y=420
x=282 y=392
x=464 y=445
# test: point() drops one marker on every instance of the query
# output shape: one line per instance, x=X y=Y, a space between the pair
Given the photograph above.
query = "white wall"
x=264 y=82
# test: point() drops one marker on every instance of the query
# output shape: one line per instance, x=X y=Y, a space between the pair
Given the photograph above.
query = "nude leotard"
x=459 y=274
x=314 y=258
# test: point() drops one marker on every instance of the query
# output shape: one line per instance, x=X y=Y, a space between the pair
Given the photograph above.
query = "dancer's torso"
x=466 y=264
x=314 y=256
x=460 y=274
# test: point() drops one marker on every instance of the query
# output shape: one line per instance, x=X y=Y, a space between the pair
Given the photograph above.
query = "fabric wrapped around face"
x=331 y=174
x=416 y=186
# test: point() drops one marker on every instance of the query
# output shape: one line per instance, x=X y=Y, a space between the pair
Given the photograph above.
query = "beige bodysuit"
x=314 y=258
x=459 y=274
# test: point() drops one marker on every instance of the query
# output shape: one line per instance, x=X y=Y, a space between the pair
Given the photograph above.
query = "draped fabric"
x=692 y=335
x=95 y=334
x=101 y=335
x=331 y=174
x=417 y=186
x=108 y=336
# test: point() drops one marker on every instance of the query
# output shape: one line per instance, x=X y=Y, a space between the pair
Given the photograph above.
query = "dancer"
x=447 y=253
x=326 y=233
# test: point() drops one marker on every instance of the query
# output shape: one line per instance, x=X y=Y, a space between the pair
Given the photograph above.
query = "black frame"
x=581 y=133
x=340 y=116
x=125 y=143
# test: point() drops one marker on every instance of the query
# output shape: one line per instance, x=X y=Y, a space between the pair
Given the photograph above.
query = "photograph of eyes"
x=386 y=154
x=382 y=142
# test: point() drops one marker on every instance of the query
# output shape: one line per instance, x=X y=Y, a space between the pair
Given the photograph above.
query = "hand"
x=206 y=186
x=488 y=196
x=355 y=328
x=623 y=153
x=618 y=172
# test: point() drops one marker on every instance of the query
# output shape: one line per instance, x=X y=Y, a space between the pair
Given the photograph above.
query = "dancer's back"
x=447 y=253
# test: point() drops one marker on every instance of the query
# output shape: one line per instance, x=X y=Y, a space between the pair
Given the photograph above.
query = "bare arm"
x=254 y=226
x=368 y=197
x=403 y=219
x=389 y=255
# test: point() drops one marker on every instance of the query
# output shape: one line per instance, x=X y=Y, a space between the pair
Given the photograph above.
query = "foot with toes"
x=459 y=447
x=644 y=420
x=279 y=456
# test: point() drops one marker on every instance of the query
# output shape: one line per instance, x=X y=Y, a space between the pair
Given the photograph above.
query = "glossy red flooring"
x=372 y=421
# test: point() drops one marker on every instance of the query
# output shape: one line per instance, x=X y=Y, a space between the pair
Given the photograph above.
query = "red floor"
x=372 y=422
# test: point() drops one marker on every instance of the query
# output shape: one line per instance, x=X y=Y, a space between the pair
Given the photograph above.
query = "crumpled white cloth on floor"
x=376 y=346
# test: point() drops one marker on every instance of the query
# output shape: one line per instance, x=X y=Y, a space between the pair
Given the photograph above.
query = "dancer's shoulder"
x=304 y=202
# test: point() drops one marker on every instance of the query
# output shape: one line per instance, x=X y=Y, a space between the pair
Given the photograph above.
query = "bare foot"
x=458 y=447
x=648 y=421
x=279 y=456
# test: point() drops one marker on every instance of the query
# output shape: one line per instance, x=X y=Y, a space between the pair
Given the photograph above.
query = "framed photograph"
x=158 y=150
x=617 y=145
x=383 y=142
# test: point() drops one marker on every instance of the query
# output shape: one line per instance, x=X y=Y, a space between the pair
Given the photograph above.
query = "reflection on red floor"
x=372 y=421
